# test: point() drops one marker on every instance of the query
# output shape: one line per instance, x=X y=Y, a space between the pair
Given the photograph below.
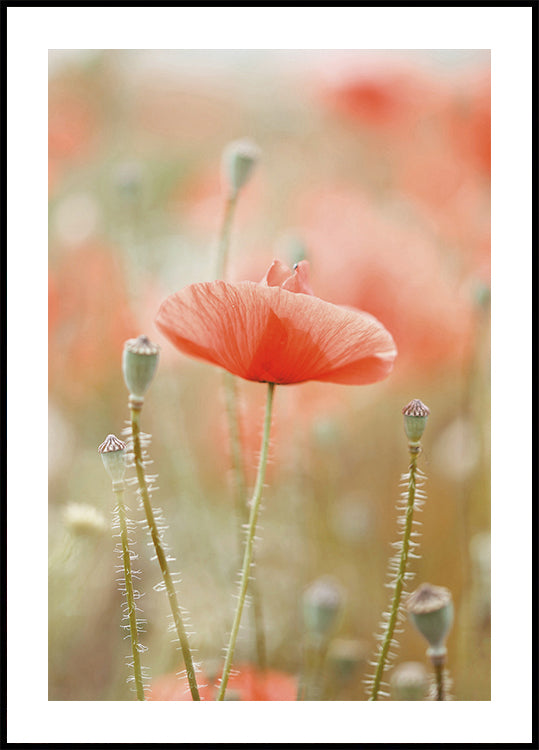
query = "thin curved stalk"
x=249 y=544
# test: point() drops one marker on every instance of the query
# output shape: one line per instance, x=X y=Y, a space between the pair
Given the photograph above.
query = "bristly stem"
x=224 y=236
x=399 y=582
x=119 y=493
x=249 y=543
x=242 y=514
x=161 y=556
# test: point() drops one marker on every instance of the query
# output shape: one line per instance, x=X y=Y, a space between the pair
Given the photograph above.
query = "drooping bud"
x=112 y=452
x=409 y=682
x=415 y=420
x=431 y=610
x=139 y=363
x=322 y=602
x=239 y=160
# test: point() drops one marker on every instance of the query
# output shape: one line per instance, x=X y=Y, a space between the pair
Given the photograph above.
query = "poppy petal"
x=269 y=334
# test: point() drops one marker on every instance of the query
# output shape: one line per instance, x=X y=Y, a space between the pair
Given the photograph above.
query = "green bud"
x=140 y=360
x=415 y=420
x=430 y=608
x=112 y=452
x=239 y=160
x=409 y=682
x=322 y=602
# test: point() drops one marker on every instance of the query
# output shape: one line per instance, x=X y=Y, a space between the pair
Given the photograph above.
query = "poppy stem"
x=401 y=574
x=249 y=543
x=439 y=675
x=118 y=489
x=224 y=236
x=161 y=556
x=231 y=396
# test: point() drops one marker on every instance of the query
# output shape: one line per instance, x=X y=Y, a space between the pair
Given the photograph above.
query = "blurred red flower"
x=247 y=683
x=277 y=331
x=89 y=321
x=73 y=126
x=386 y=100
x=391 y=265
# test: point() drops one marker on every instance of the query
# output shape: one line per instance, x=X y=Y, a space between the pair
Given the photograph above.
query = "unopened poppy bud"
x=239 y=160
x=431 y=610
x=415 y=420
x=112 y=452
x=322 y=602
x=140 y=359
x=409 y=682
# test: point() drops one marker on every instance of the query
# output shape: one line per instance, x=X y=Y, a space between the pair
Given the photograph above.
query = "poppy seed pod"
x=139 y=363
x=415 y=420
x=239 y=160
x=431 y=610
x=112 y=452
x=322 y=602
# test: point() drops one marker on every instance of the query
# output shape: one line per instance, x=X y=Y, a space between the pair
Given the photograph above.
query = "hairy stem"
x=161 y=556
x=399 y=583
x=119 y=493
x=241 y=508
x=249 y=544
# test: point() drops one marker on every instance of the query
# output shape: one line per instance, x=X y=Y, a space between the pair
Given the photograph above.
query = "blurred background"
x=375 y=167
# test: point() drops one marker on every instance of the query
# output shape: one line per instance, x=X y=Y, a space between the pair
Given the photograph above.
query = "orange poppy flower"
x=277 y=331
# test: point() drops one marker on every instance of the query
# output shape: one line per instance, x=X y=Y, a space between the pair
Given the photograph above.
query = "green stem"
x=249 y=544
x=224 y=236
x=161 y=556
x=399 y=583
x=311 y=685
x=231 y=397
x=119 y=492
